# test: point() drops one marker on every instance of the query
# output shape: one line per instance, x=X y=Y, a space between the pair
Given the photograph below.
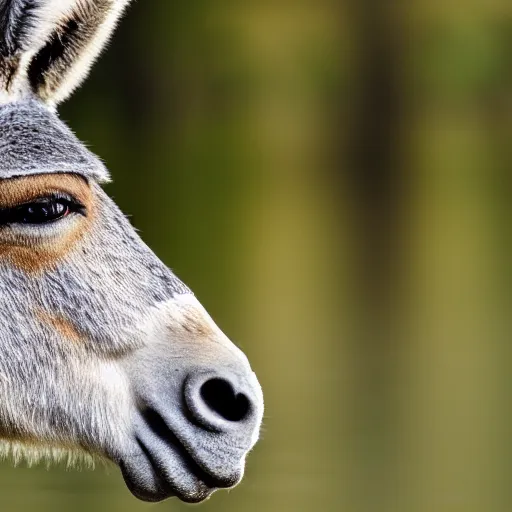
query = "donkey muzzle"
x=198 y=413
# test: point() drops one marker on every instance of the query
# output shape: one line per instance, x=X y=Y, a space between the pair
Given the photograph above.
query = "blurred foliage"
x=332 y=179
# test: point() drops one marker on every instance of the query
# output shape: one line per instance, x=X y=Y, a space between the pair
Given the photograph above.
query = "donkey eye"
x=40 y=211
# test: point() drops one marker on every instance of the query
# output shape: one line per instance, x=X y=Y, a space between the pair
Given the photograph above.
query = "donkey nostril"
x=220 y=402
x=221 y=398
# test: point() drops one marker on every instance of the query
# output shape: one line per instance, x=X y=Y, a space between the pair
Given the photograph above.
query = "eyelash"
x=43 y=210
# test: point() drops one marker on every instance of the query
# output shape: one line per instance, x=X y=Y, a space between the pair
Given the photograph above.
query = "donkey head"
x=103 y=350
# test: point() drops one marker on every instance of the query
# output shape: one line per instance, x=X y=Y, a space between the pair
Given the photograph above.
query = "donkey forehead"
x=33 y=140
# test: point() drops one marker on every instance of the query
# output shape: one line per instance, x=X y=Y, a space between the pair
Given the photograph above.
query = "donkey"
x=103 y=350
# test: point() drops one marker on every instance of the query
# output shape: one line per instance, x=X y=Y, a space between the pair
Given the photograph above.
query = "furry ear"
x=48 y=46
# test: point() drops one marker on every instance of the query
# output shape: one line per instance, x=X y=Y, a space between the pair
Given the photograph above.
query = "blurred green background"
x=332 y=179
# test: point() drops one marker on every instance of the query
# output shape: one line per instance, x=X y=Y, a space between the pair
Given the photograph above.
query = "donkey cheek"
x=45 y=257
x=32 y=260
x=64 y=327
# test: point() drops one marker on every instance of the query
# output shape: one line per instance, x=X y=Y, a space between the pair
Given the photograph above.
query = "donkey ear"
x=47 y=47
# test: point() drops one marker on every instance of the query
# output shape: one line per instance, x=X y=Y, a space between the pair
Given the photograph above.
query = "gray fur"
x=34 y=140
x=103 y=349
